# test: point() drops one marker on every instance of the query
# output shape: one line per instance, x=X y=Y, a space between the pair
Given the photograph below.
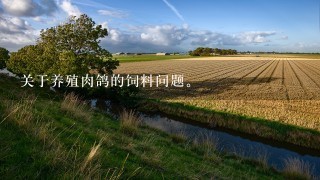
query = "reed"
x=76 y=108
x=129 y=122
x=295 y=168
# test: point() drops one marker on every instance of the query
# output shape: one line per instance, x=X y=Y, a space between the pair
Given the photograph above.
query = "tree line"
x=206 y=51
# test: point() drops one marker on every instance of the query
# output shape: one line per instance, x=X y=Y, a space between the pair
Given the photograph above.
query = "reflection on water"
x=225 y=142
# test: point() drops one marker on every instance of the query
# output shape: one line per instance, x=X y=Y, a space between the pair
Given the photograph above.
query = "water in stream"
x=227 y=142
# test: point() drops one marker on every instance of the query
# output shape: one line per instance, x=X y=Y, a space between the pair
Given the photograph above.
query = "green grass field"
x=306 y=56
x=138 y=58
x=45 y=136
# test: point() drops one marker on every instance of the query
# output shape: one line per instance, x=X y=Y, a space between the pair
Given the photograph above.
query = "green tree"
x=4 y=56
x=28 y=60
x=217 y=51
x=201 y=51
x=72 y=47
x=198 y=51
x=207 y=52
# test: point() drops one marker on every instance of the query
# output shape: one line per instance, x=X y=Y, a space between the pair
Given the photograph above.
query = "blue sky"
x=173 y=25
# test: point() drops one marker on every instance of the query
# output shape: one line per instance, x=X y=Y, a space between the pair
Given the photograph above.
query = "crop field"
x=279 y=89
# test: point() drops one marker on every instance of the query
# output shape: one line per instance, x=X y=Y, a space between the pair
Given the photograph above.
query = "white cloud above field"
x=255 y=36
x=164 y=37
x=146 y=38
x=16 y=32
x=29 y=8
x=13 y=25
x=244 y=38
x=303 y=45
x=69 y=8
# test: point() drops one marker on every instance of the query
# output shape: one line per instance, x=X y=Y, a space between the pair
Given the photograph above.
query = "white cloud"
x=38 y=19
x=29 y=8
x=244 y=38
x=13 y=25
x=16 y=33
x=69 y=8
x=165 y=35
x=113 y=13
x=255 y=36
x=301 y=47
x=115 y=35
x=170 y=38
x=18 y=7
x=174 y=9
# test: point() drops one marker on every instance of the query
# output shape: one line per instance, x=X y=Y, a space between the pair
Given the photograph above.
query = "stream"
x=230 y=142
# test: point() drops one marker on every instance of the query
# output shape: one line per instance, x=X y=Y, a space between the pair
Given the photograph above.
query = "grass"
x=150 y=57
x=129 y=122
x=297 y=169
x=76 y=108
x=179 y=137
x=139 y=58
x=206 y=145
x=40 y=139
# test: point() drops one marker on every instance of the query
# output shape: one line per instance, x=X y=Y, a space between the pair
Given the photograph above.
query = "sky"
x=173 y=25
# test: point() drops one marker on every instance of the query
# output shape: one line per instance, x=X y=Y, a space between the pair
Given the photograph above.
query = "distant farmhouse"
x=119 y=53
x=163 y=54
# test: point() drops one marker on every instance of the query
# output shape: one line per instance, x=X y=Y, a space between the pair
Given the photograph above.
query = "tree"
x=72 y=47
x=28 y=60
x=197 y=52
x=201 y=51
x=207 y=52
x=4 y=56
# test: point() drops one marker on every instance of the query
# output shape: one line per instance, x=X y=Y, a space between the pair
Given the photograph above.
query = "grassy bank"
x=254 y=126
x=46 y=135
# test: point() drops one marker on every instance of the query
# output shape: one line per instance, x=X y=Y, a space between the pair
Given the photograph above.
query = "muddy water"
x=227 y=141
